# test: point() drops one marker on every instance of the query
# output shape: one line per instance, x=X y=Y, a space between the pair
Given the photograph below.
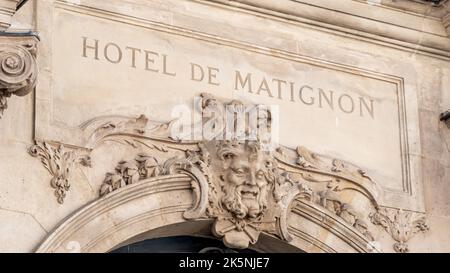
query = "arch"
x=156 y=205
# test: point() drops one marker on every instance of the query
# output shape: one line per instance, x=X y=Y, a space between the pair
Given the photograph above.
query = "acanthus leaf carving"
x=401 y=225
x=58 y=160
x=306 y=158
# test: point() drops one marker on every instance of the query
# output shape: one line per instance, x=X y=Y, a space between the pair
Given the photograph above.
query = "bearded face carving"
x=246 y=180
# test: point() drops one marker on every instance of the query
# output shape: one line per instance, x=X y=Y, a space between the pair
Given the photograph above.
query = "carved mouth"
x=249 y=194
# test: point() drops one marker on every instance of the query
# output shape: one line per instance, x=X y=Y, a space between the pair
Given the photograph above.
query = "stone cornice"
x=419 y=29
x=7 y=10
x=18 y=68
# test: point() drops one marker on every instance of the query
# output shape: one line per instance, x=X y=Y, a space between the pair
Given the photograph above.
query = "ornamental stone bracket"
x=18 y=68
x=59 y=161
x=401 y=225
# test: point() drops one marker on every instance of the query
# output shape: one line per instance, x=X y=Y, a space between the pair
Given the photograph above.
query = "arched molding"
x=159 y=202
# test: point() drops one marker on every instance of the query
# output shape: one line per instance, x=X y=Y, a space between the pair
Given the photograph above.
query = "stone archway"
x=155 y=207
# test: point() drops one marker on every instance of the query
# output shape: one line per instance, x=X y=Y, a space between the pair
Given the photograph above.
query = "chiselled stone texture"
x=18 y=68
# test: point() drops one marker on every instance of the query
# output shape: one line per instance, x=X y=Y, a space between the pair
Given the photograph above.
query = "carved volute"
x=18 y=68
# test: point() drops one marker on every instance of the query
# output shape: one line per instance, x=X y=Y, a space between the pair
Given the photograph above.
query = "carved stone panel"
x=158 y=57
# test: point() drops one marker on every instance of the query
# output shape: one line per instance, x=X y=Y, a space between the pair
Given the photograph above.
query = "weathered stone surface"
x=19 y=231
x=7 y=10
x=358 y=90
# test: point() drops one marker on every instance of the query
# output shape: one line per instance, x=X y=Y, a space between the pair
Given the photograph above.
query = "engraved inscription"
x=158 y=62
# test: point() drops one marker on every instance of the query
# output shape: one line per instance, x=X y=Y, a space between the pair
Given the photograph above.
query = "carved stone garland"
x=18 y=68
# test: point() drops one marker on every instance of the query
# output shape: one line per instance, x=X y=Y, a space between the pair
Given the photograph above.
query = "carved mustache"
x=246 y=191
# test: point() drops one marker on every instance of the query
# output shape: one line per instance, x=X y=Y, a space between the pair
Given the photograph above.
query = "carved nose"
x=251 y=180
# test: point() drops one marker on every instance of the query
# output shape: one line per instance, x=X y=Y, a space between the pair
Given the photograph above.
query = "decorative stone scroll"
x=401 y=225
x=18 y=68
x=245 y=185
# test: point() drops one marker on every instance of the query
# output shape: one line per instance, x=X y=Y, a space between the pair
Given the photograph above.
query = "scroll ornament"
x=18 y=68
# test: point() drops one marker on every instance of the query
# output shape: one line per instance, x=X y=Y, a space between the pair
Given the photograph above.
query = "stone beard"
x=247 y=179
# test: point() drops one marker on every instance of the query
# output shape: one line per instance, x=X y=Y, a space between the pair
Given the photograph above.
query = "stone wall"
x=391 y=48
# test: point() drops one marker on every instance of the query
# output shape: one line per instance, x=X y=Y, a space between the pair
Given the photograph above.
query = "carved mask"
x=245 y=181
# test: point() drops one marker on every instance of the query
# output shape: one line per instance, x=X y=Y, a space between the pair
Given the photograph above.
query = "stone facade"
x=280 y=126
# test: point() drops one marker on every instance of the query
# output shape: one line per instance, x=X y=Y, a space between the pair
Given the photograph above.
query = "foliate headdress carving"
x=243 y=184
x=18 y=68
x=401 y=225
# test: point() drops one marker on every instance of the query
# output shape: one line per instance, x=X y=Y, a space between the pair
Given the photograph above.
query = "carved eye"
x=239 y=171
x=260 y=175
x=228 y=156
